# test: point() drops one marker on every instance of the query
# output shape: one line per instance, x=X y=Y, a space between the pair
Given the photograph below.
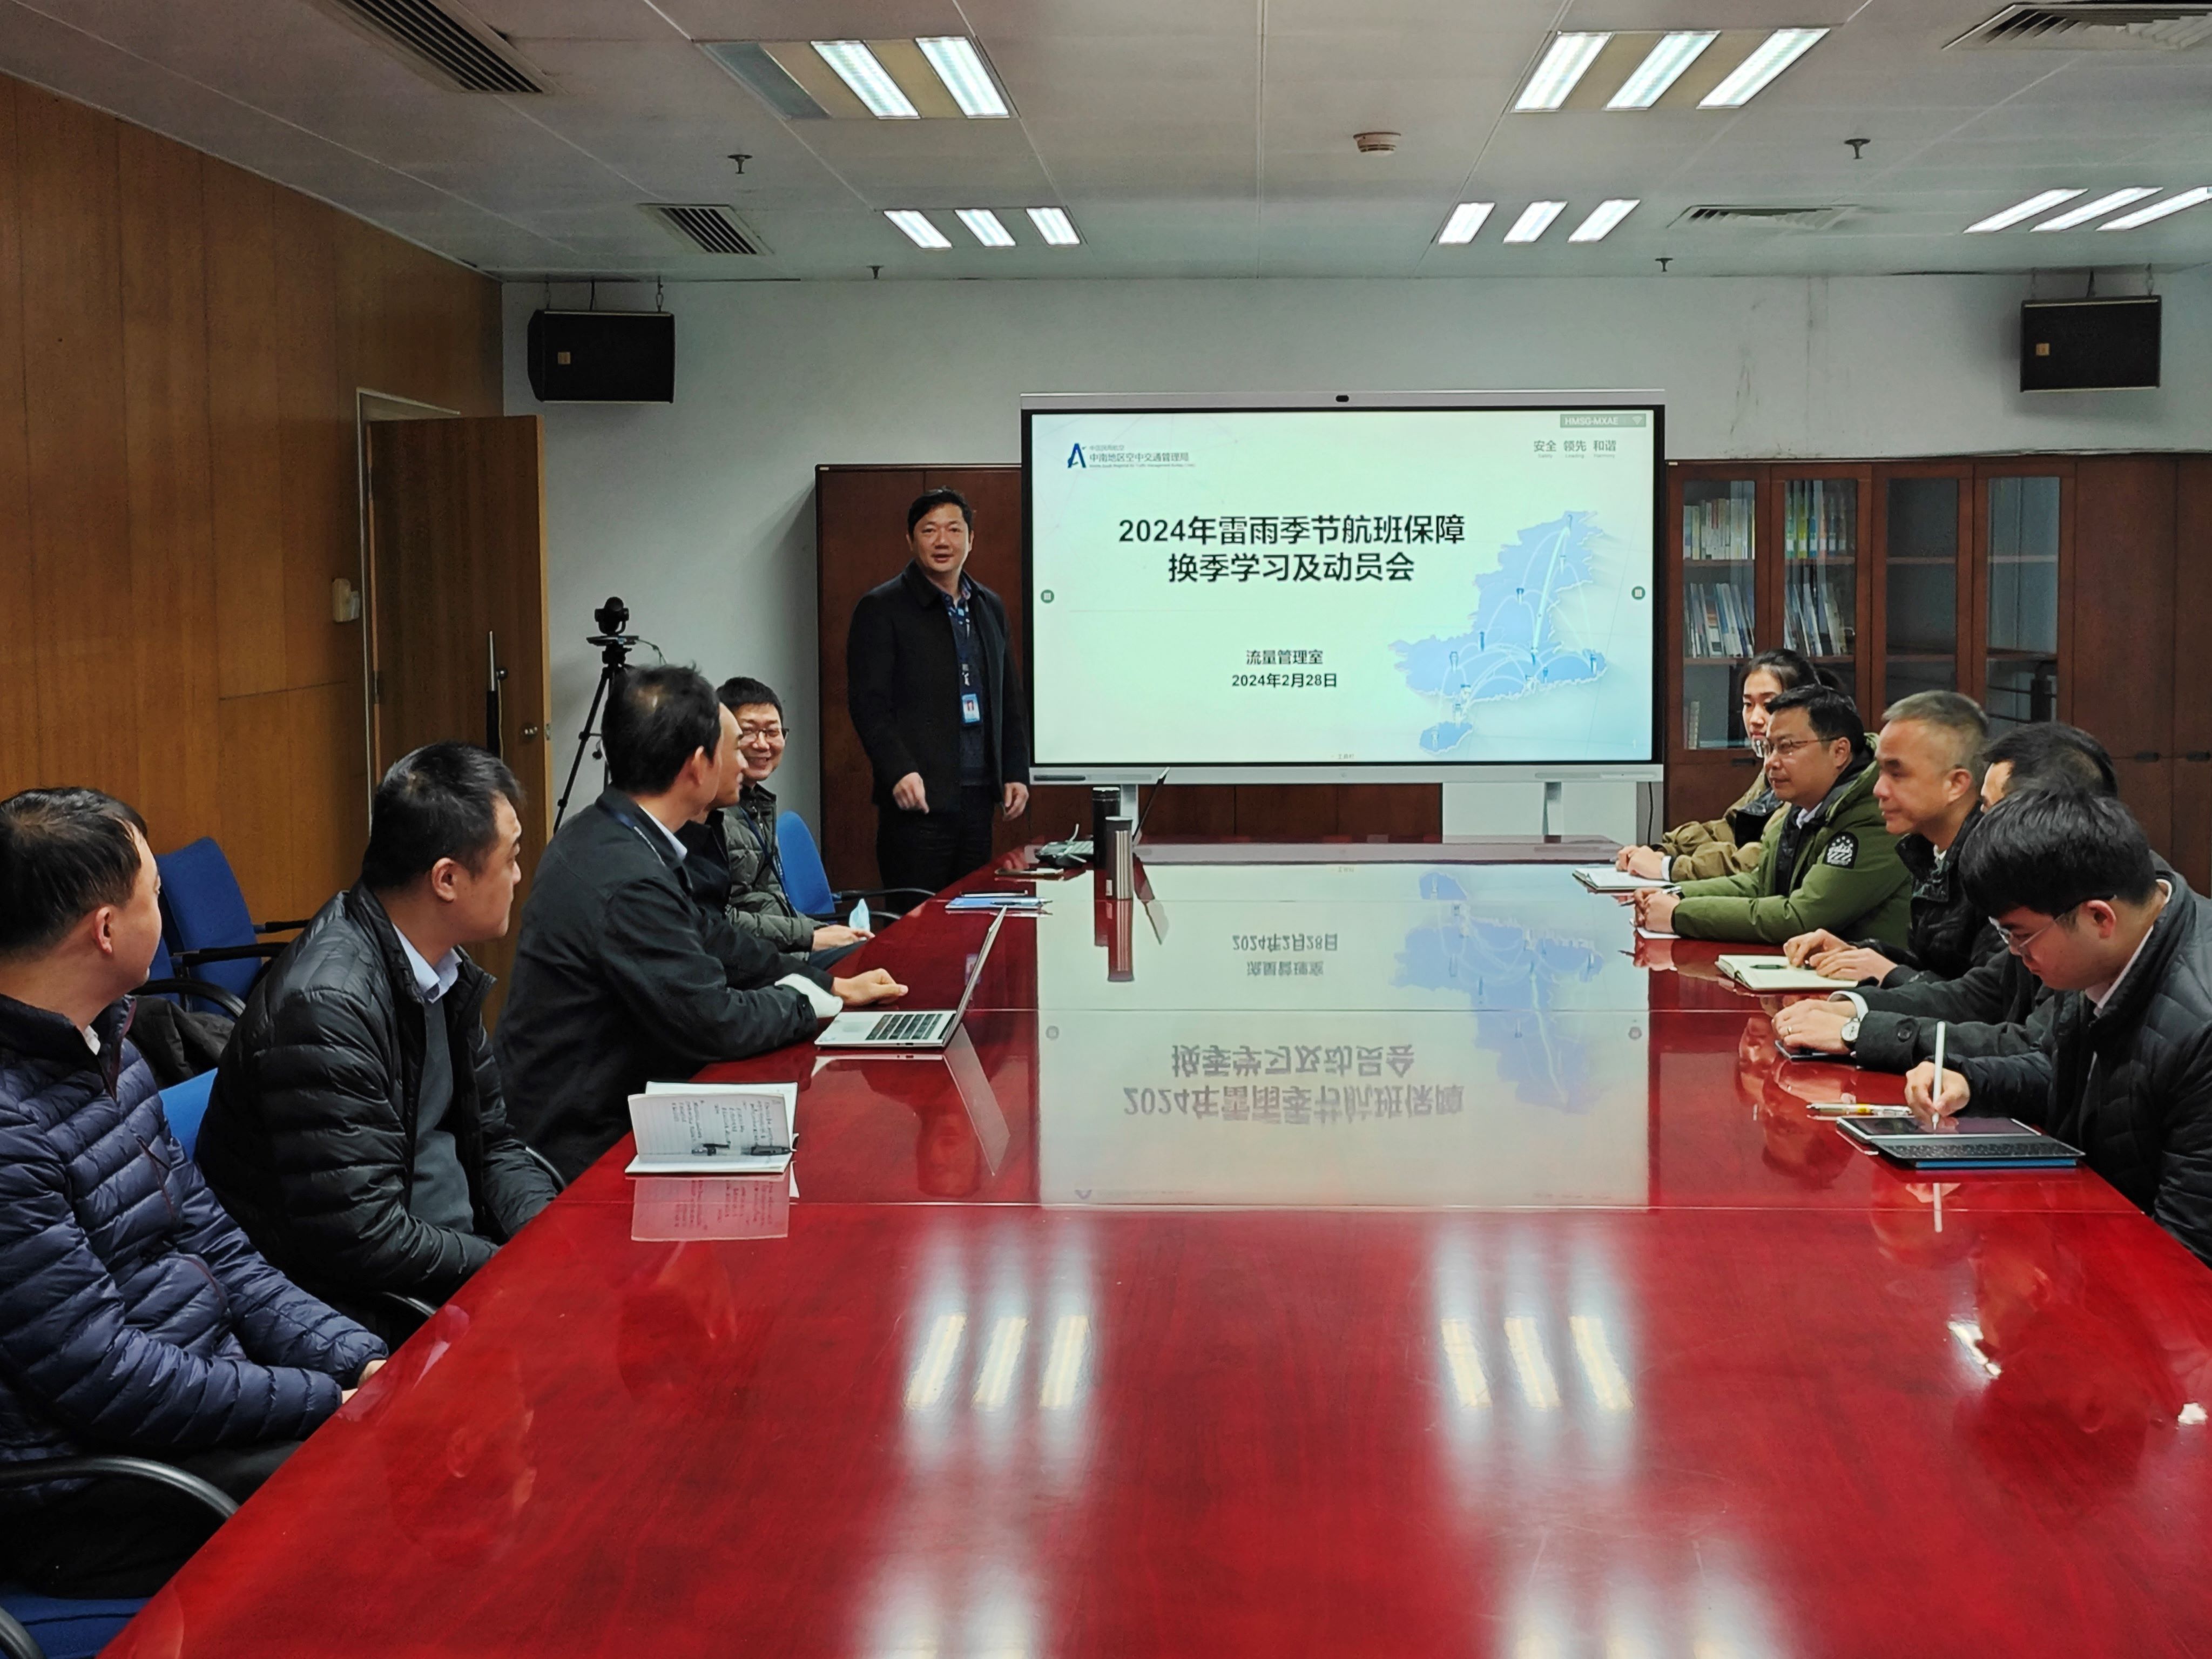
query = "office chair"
x=806 y=884
x=212 y=933
x=185 y=1104
x=163 y=980
x=34 y=1627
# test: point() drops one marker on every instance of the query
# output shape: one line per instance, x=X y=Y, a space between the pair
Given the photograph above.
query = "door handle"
x=494 y=675
x=2198 y=755
x=2147 y=754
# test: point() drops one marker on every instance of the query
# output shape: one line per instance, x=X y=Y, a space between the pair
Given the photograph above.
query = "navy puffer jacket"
x=134 y=1314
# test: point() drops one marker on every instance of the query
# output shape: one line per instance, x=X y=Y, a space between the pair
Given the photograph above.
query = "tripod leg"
x=583 y=742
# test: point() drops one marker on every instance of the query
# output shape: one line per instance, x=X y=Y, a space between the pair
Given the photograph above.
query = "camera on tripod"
x=615 y=646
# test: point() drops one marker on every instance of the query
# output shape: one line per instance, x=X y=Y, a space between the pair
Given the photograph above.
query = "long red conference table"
x=1348 y=1255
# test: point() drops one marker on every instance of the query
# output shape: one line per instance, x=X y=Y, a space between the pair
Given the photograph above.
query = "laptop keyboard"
x=901 y=1028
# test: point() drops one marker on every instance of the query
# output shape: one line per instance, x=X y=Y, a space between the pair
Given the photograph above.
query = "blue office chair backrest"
x=204 y=910
x=69 y=1629
x=805 y=883
x=184 y=1104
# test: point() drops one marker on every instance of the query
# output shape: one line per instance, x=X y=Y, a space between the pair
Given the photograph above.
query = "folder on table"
x=1756 y=973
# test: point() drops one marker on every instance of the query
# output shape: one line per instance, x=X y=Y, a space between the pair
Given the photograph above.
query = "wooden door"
x=457 y=601
x=2117 y=677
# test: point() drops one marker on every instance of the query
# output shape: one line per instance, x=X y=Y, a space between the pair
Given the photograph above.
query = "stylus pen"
x=1935 y=1100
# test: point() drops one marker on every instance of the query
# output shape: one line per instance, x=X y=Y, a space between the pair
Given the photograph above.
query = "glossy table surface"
x=1336 y=1258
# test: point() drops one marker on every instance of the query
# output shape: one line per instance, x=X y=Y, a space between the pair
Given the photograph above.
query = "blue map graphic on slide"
x=1511 y=971
x=1512 y=646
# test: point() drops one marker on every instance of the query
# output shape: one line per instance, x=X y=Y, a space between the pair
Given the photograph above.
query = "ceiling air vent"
x=2093 y=26
x=1715 y=216
x=707 y=226
x=445 y=40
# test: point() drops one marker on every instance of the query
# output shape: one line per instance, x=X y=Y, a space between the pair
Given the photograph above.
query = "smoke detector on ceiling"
x=1376 y=143
x=2093 y=26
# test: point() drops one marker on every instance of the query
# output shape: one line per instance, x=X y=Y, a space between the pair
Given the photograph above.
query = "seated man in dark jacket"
x=357 y=1128
x=134 y=1316
x=732 y=865
x=620 y=974
x=2125 y=1073
x=1988 y=1006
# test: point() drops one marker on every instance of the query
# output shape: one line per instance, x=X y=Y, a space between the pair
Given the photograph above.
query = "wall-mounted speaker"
x=2089 y=345
x=602 y=356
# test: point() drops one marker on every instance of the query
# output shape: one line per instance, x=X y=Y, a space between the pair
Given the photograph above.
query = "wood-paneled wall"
x=180 y=347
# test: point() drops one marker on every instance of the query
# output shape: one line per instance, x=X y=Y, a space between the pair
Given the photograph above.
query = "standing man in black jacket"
x=937 y=700
x=357 y=1130
x=620 y=974
x=2125 y=1073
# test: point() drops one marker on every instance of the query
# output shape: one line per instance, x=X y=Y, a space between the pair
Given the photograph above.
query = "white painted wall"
x=701 y=514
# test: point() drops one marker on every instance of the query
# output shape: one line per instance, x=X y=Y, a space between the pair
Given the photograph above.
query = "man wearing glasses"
x=1826 y=860
x=2124 y=1070
x=1996 y=1006
x=743 y=834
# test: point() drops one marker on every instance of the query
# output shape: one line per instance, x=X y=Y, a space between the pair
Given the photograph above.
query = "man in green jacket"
x=1826 y=860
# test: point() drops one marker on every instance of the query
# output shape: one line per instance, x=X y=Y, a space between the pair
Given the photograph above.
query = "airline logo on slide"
x=1121 y=455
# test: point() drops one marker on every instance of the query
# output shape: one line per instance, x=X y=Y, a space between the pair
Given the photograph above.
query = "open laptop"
x=914 y=1028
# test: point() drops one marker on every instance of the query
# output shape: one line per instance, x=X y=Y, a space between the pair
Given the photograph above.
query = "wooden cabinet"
x=2046 y=587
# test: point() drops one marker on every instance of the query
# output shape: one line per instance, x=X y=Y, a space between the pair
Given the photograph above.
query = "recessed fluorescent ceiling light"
x=1768 y=59
x=1600 y=222
x=1661 y=67
x=1465 y=219
x=1054 y=226
x=2020 y=210
x=918 y=230
x=958 y=65
x=1535 y=219
x=2098 y=209
x=871 y=82
x=1554 y=77
x=986 y=226
x=2187 y=198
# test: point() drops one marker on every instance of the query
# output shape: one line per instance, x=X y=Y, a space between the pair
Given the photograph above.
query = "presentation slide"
x=1377 y=586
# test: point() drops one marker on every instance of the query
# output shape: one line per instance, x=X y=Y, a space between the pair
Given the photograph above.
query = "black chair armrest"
x=15 y=1642
x=201 y=989
x=41 y=1470
x=546 y=1164
x=282 y=926
x=414 y=1305
x=266 y=949
x=845 y=893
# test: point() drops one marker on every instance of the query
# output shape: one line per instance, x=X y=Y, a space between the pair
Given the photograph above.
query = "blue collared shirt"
x=432 y=979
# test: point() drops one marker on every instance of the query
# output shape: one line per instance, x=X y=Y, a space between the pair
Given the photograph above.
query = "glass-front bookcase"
x=1894 y=577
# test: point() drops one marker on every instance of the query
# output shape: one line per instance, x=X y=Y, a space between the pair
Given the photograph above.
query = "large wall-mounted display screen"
x=1343 y=586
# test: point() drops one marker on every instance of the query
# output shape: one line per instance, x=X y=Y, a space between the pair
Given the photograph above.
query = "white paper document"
x=711 y=1129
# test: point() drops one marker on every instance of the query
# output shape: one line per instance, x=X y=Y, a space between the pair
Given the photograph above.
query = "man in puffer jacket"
x=134 y=1316
x=357 y=1128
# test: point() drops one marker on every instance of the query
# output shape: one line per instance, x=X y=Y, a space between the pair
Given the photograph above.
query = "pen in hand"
x=1936 y=1096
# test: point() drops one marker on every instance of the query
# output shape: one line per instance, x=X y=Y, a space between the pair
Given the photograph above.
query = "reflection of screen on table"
x=1392 y=1034
x=1384 y=586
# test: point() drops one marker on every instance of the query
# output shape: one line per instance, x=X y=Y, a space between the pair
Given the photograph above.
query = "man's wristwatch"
x=1850 y=1031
